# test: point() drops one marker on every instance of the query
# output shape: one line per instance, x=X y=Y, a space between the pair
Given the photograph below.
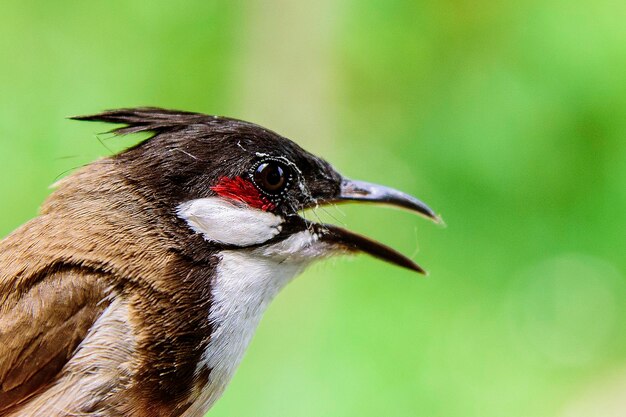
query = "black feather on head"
x=190 y=152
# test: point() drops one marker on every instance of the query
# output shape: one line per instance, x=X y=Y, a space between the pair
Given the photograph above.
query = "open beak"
x=372 y=193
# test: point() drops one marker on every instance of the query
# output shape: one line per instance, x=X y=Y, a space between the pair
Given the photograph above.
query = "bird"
x=138 y=287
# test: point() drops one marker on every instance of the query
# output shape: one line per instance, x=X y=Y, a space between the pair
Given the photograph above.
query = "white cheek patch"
x=223 y=222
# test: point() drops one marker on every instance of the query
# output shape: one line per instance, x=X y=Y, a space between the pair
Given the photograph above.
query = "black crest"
x=149 y=119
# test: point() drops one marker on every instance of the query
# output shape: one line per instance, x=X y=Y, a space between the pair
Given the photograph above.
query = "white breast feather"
x=246 y=282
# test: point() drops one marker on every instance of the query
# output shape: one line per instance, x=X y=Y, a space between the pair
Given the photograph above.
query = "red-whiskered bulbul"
x=136 y=290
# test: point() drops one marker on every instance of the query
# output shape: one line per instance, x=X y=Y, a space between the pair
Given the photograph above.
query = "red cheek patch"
x=242 y=190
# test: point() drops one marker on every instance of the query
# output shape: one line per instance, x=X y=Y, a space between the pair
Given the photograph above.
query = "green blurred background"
x=507 y=117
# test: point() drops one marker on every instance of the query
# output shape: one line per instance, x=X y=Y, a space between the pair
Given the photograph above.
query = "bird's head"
x=241 y=186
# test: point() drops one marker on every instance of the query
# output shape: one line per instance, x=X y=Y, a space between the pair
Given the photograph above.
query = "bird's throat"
x=245 y=283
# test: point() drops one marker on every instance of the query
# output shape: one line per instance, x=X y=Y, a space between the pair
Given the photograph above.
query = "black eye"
x=272 y=177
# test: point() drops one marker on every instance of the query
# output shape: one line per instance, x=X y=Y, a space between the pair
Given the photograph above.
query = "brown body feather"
x=95 y=249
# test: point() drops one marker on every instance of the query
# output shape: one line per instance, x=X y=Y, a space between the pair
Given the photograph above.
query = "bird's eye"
x=272 y=177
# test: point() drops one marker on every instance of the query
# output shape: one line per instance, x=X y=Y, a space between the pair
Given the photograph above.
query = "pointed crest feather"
x=145 y=119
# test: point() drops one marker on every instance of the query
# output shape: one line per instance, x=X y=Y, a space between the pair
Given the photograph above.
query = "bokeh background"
x=507 y=117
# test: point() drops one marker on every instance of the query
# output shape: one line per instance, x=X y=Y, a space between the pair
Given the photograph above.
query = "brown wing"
x=41 y=326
